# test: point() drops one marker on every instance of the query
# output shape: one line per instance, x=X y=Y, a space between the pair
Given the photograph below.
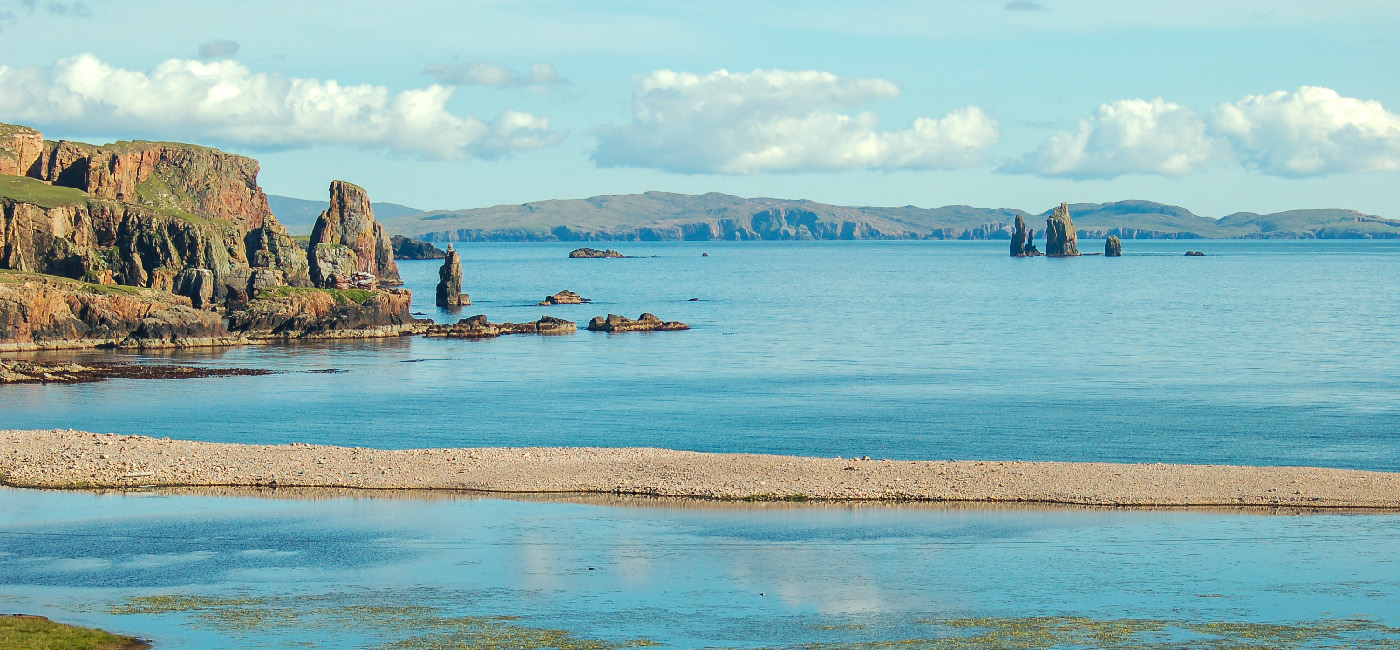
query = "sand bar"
x=77 y=459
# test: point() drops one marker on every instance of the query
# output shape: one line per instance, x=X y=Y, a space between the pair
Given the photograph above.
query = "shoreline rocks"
x=593 y=253
x=564 y=297
x=39 y=372
x=478 y=327
x=644 y=323
x=449 y=287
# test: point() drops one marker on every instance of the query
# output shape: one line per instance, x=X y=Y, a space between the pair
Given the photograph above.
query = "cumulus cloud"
x=479 y=73
x=218 y=49
x=1130 y=136
x=1308 y=132
x=781 y=121
x=224 y=101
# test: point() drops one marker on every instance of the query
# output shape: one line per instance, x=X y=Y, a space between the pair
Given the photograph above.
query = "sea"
x=1257 y=353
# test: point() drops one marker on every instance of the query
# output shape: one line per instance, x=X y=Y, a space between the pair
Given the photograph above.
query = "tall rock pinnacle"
x=1061 y=239
x=349 y=224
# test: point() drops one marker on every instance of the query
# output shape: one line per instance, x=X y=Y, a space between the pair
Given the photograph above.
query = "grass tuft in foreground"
x=38 y=633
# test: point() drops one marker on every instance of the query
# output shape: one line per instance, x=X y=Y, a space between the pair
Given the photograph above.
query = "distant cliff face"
x=349 y=222
x=142 y=214
x=20 y=149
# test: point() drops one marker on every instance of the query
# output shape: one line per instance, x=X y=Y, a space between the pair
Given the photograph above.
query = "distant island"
x=662 y=216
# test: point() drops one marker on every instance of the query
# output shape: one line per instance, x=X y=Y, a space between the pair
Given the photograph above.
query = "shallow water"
x=346 y=572
x=1265 y=353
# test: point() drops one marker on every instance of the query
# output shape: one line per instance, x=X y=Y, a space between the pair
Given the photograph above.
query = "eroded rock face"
x=593 y=253
x=349 y=222
x=332 y=266
x=449 y=287
x=20 y=149
x=644 y=323
x=197 y=285
x=1061 y=239
x=44 y=311
x=564 y=297
x=151 y=210
x=478 y=327
x=412 y=249
x=1113 y=247
x=1023 y=240
x=316 y=313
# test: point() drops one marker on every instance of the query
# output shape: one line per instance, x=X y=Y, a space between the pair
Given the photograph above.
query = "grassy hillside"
x=29 y=190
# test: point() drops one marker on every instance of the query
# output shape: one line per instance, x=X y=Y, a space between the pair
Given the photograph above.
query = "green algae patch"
x=491 y=634
x=38 y=633
x=23 y=189
x=342 y=296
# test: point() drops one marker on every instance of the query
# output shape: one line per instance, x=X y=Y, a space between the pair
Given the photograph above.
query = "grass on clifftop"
x=34 y=633
x=29 y=190
x=342 y=296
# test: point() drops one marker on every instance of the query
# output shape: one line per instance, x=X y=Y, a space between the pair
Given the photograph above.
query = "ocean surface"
x=324 y=570
x=1259 y=353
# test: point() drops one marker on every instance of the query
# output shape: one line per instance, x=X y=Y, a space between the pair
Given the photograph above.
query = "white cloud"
x=1310 y=132
x=479 y=73
x=1130 y=136
x=781 y=121
x=224 y=101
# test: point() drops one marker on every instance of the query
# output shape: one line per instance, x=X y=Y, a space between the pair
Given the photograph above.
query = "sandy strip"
x=76 y=459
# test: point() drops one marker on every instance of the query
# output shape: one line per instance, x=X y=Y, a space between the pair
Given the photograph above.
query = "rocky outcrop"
x=478 y=327
x=42 y=312
x=1061 y=239
x=297 y=313
x=39 y=372
x=449 y=287
x=1195 y=254
x=593 y=253
x=349 y=222
x=644 y=323
x=564 y=297
x=20 y=149
x=332 y=266
x=1023 y=240
x=145 y=213
x=1113 y=247
x=412 y=249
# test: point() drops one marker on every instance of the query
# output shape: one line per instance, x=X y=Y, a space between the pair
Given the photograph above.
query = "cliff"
x=38 y=311
x=140 y=214
x=349 y=225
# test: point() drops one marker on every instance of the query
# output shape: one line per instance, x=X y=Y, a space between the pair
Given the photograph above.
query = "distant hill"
x=299 y=215
x=656 y=216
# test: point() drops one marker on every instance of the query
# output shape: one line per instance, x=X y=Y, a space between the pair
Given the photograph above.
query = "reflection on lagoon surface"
x=340 y=571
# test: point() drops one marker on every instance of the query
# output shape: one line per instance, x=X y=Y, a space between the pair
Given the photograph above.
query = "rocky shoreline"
x=82 y=460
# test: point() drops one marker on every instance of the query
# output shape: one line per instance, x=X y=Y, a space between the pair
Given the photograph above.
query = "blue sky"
x=1219 y=107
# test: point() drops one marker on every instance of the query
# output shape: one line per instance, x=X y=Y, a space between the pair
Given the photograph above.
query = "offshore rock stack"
x=449 y=288
x=1113 y=247
x=1061 y=239
x=1023 y=240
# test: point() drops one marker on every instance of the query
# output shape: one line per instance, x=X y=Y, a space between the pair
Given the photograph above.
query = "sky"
x=1219 y=107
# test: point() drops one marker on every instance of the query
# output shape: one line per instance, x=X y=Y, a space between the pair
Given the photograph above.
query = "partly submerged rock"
x=564 y=297
x=1113 y=247
x=449 y=287
x=1061 y=239
x=478 y=327
x=644 y=323
x=412 y=249
x=591 y=253
x=1195 y=254
x=349 y=222
x=1023 y=240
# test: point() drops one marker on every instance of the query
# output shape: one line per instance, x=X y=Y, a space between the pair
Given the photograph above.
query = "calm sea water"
x=340 y=572
x=1260 y=353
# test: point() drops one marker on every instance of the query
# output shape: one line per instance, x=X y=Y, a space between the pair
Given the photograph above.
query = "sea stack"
x=449 y=288
x=1023 y=240
x=346 y=234
x=1113 y=247
x=1061 y=239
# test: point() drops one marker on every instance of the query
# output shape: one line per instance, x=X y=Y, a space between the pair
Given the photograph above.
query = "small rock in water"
x=1195 y=254
x=694 y=300
x=704 y=255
